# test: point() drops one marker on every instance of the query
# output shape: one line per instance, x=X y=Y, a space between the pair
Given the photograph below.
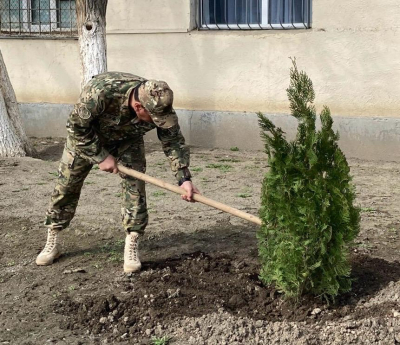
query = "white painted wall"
x=148 y=16
x=351 y=53
x=43 y=70
x=355 y=73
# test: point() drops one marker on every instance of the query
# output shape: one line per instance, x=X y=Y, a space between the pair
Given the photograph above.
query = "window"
x=254 y=14
x=38 y=17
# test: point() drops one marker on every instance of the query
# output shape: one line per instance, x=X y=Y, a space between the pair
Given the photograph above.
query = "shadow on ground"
x=237 y=241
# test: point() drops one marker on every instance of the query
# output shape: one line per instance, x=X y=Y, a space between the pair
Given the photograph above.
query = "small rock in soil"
x=259 y=323
x=173 y=293
x=316 y=311
x=76 y=270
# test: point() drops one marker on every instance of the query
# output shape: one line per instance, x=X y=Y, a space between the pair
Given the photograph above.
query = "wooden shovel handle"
x=196 y=197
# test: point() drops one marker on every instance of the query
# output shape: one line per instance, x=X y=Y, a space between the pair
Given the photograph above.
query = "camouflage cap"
x=157 y=98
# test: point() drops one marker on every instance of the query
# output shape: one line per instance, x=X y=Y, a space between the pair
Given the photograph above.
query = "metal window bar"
x=253 y=14
x=19 y=20
x=38 y=18
x=70 y=17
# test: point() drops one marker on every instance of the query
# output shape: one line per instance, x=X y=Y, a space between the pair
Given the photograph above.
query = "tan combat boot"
x=51 y=251
x=131 y=253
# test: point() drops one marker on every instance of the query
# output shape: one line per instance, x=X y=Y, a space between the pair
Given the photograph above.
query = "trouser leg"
x=72 y=172
x=134 y=207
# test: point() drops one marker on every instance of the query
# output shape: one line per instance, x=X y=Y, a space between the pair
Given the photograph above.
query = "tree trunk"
x=13 y=140
x=91 y=21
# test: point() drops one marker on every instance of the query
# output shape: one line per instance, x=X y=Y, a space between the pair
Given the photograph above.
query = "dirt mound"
x=193 y=285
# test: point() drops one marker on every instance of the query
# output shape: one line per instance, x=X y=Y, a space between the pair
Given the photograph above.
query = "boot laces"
x=133 y=248
x=51 y=241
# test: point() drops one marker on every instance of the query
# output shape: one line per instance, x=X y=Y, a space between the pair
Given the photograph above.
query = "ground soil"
x=199 y=283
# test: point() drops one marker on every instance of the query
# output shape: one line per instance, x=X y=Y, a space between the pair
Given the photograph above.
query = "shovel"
x=196 y=197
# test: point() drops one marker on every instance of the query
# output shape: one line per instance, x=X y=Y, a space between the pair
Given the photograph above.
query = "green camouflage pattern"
x=157 y=97
x=100 y=124
x=72 y=172
x=103 y=115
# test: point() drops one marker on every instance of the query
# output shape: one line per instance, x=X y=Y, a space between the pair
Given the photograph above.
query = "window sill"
x=38 y=37
x=248 y=32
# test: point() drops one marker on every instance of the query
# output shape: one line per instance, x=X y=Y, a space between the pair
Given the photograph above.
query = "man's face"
x=142 y=113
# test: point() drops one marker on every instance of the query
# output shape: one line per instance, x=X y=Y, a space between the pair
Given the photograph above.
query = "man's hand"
x=109 y=165
x=190 y=190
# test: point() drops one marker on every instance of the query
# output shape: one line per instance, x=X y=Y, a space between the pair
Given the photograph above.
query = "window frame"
x=27 y=28
x=44 y=27
x=264 y=25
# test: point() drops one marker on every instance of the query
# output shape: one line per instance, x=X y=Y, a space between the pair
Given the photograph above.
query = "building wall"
x=351 y=54
x=221 y=78
x=149 y=16
x=43 y=70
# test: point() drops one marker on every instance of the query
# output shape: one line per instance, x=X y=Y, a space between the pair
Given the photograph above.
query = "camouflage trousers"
x=74 y=169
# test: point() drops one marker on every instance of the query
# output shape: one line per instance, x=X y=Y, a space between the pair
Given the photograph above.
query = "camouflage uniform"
x=102 y=123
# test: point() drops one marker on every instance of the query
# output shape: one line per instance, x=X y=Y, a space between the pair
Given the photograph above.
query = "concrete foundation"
x=372 y=138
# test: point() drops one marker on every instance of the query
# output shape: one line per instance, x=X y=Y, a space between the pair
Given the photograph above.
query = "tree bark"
x=13 y=140
x=91 y=21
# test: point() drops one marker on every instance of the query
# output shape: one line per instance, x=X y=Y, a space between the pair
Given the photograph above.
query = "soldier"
x=107 y=126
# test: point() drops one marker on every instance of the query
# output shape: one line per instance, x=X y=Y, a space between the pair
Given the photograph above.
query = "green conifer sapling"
x=308 y=212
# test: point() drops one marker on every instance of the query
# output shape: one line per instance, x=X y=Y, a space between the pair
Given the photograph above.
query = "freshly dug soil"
x=199 y=283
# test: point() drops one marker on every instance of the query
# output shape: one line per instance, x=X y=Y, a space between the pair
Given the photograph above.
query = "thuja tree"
x=308 y=213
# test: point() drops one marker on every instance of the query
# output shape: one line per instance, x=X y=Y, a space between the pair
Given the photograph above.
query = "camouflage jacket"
x=103 y=116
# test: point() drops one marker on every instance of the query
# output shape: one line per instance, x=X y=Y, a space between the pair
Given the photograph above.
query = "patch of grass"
x=165 y=340
x=89 y=182
x=41 y=183
x=95 y=167
x=251 y=167
x=114 y=250
x=53 y=173
x=71 y=288
x=158 y=193
x=118 y=195
x=197 y=169
x=119 y=242
x=113 y=246
x=244 y=195
x=235 y=148
x=367 y=209
x=233 y=160
x=11 y=263
x=115 y=257
x=160 y=163
x=364 y=245
x=221 y=167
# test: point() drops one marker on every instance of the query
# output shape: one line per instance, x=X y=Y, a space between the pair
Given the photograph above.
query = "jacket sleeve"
x=81 y=135
x=173 y=144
